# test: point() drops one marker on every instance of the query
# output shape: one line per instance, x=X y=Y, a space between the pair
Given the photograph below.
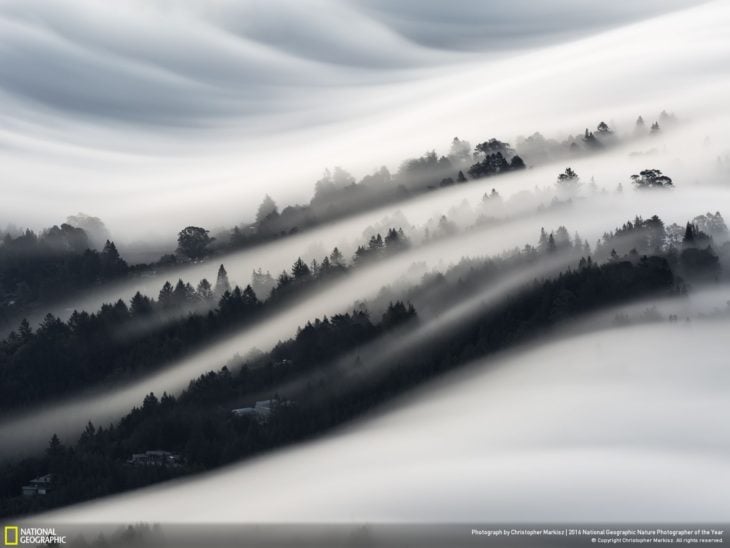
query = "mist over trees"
x=200 y=426
x=46 y=266
x=60 y=357
x=40 y=268
x=322 y=376
x=637 y=259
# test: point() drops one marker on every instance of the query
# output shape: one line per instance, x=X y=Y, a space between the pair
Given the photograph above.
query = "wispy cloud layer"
x=157 y=114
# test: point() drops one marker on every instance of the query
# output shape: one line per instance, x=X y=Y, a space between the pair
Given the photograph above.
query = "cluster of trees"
x=569 y=182
x=692 y=251
x=200 y=426
x=52 y=264
x=537 y=149
x=651 y=179
x=338 y=194
x=123 y=340
x=378 y=247
x=60 y=357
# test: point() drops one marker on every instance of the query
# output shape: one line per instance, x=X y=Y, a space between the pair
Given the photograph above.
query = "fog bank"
x=624 y=424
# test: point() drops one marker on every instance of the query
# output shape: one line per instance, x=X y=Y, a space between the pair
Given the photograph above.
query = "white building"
x=38 y=486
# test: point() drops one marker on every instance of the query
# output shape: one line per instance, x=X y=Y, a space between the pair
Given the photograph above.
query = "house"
x=154 y=458
x=38 y=486
x=261 y=410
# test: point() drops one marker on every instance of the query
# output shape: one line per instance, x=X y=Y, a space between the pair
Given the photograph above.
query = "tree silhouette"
x=603 y=129
x=221 y=283
x=193 y=242
x=568 y=181
x=300 y=269
x=266 y=209
x=651 y=179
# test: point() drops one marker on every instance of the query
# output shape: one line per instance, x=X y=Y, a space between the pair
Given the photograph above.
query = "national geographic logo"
x=17 y=536
x=10 y=535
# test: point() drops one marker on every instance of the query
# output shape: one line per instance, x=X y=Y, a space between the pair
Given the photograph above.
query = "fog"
x=608 y=426
x=157 y=116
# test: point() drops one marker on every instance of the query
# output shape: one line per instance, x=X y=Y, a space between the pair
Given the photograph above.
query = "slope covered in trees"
x=122 y=341
x=201 y=427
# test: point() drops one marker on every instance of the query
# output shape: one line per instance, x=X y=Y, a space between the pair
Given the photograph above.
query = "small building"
x=38 y=486
x=261 y=410
x=154 y=458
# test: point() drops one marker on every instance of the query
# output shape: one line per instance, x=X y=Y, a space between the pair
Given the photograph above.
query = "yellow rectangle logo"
x=10 y=535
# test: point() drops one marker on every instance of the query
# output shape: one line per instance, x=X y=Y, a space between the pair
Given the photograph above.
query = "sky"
x=157 y=115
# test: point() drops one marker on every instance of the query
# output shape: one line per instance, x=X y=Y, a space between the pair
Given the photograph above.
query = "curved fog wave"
x=152 y=134
x=620 y=425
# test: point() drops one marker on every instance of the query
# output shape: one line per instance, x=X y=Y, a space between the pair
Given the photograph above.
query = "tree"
x=249 y=298
x=590 y=139
x=460 y=152
x=714 y=225
x=25 y=330
x=204 y=290
x=221 y=283
x=603 y=129
x=111 y=263
x=266 y=209
x=300 y=269
x=140 y=305
x=331 y=182
x=562 y=237
x=651 y=179
x=92 y=226
x=516 y=163
x=336 y=257
x=640 y=127
x=166 y=297
x=262 y=283
x=568 y=181
x=376 y=243
x=193 y=241
x=656 y=234
x=493 y=146
x=183 y=293
x=395 y=239
x=542 y=243
x=55 y=447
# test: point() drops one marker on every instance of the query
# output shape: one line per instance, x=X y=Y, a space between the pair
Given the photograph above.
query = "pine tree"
x=165 y=297
x=221 y=283
x=300 y=269
x=204 y=290
x=336 y=257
